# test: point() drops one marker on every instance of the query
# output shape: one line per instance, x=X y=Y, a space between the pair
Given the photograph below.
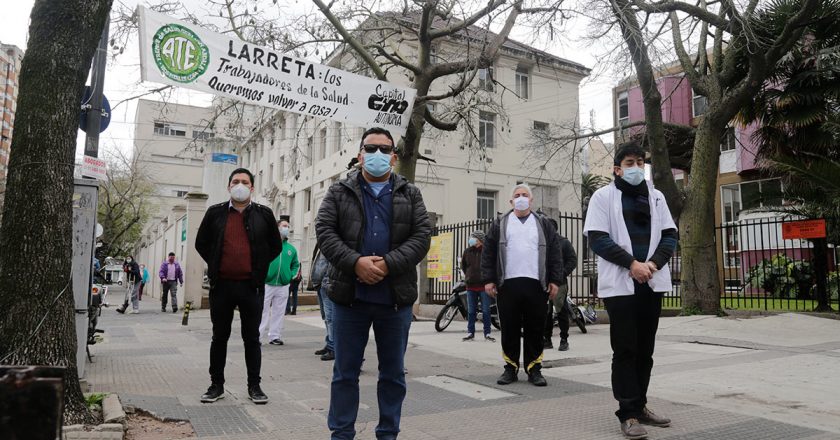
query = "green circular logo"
x=179 y=54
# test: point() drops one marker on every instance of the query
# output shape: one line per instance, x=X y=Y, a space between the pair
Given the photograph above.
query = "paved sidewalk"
x=764 y=378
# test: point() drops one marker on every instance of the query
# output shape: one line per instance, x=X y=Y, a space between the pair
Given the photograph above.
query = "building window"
x=282 y=169
x=730 y=197
x=522 y=82
x=541 y=126
x=322 y=143
x=486 y=129
x=486 y=206
x=179 y=193
x=167 y=129
x=728 y=142
x=762 y=193
x=485 y=79
x=623 y=108
x=202 y=135
x=699 y=104
x=307 y=194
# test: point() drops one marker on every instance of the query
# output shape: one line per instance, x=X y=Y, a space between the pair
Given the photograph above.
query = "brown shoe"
x=633 y=430
x=649 y=418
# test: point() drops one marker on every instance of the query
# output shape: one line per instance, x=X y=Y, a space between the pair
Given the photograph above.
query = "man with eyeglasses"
x=373 y=229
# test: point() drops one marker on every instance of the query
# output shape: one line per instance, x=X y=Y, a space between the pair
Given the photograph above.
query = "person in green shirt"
x=281 y=272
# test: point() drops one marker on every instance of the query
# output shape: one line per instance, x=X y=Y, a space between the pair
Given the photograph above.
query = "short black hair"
x=376 y=130
x=284 y=218
x=241 y=171
x=172 y=254
x=628 y=149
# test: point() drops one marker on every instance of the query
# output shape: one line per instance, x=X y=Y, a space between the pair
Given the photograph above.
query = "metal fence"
x=760 y=269
x=757 y=267
x=582 y=282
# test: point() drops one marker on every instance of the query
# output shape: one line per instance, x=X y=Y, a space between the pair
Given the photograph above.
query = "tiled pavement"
x=156 y=364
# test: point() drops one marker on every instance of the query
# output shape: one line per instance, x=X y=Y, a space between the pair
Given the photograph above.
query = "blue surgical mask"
x=472 y=241
x=521 y=203
x=284 y=232
x=633 y=175
x=377 y=164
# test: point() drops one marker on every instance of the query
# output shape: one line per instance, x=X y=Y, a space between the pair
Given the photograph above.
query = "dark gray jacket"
x=569 y=257
x=340 y=228
x=494 y=254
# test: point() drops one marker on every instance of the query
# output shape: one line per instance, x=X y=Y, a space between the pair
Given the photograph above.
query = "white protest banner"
x=185 y=55
x=94 y=167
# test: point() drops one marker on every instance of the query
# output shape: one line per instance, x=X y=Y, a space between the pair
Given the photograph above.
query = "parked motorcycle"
x=581 y=314
x=457 y=303
x=98 y=294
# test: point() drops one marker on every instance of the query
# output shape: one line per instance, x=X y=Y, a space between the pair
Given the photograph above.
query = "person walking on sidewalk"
x=471 y=266
x=374 y=230
x=170 y=275
x=292 y=303
x=237 y=239
x=631 y=230
x=522 y=267
x=133 y=278
x=319 y=280
x=144 y=278
x=558 y=305
x=280 y=274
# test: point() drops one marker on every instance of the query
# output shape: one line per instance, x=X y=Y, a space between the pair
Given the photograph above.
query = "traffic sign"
x=106 y=111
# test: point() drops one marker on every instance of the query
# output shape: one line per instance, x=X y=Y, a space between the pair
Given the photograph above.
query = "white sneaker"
x=134 y=312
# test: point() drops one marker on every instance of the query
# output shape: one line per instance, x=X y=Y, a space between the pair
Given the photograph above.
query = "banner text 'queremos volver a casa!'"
x=185 y=55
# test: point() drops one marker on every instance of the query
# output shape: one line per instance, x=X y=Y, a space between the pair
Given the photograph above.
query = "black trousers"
x=225 y=296
x=633 y=323
x=562 y=321
x=522 y=303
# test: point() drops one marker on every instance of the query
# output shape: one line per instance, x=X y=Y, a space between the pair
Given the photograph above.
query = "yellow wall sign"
x=439 y=260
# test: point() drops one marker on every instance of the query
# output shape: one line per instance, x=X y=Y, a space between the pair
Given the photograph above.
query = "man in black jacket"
x=374 y=230
x=559 y=302
x=522 y=264
x=237 y=239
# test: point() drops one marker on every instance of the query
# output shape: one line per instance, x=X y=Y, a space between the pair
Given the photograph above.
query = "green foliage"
x=798 y=115
x=783 y=277
x=95 y=399
x=833 y=286
x=691 y=311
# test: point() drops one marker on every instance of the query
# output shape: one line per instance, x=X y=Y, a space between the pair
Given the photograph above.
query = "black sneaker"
x=469 y=337
x=120 y=310
x=276 y=342
x=321 y=352
x=536 y=378
x=547 y=343
x=214 y=393
x=328 y=356
x=508 y=377
x=256 y=395
x=163 y=309
x=175 y=310
x=563 y=345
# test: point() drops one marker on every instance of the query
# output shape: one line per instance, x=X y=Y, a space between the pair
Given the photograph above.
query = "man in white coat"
x=632 y=232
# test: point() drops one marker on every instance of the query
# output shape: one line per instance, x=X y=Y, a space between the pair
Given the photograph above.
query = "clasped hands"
x=371 y=269
x=643 y=272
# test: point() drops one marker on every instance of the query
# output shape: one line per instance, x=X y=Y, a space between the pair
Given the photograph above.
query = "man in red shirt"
x=237 y=239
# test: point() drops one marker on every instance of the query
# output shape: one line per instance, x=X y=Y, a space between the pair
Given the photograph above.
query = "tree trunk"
x=38 y=325
x=409 y=150
x=699 y=274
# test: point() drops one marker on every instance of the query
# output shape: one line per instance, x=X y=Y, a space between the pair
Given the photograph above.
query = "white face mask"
x=633 y=175
x=240 y=192
x=521 y=203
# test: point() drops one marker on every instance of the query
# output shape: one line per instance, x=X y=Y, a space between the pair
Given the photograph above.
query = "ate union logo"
x=179 y=54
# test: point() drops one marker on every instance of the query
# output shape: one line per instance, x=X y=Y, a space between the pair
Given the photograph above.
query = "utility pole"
x=94 y=104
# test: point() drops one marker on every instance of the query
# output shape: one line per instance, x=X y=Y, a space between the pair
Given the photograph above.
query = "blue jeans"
x=351 y=326
x=327 y=311
x=472 y=311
